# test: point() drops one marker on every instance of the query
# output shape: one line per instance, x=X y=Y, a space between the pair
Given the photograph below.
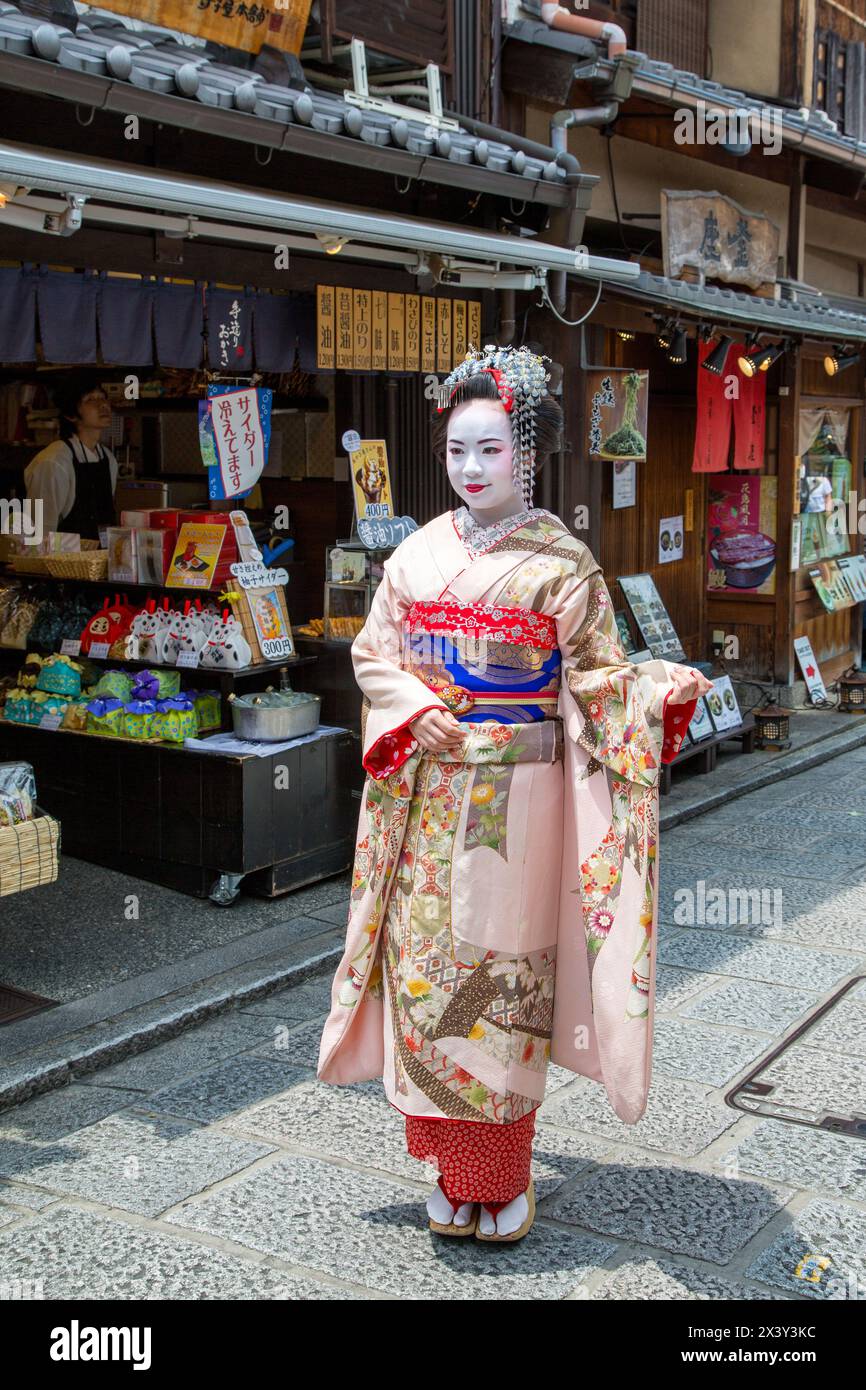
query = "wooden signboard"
x=444 y=348
x=363 y=331
x=428 y=333
x=345 y=335
x=413 y=332
x=396 y=334
x=459 y=330
x=247 y=26
x=707 y=234
x=326 y=325
x=380 y=331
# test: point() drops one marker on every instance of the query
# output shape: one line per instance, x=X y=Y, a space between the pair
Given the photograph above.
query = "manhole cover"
x=18 y=1003
x=817 y=1076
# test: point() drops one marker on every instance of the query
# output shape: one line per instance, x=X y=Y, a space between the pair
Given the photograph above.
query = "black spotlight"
x=747 y=360
x=626 y=334
x=839 y=361
x=679 y=346
x=665 y=333
x=715 y=361
x=772 y=354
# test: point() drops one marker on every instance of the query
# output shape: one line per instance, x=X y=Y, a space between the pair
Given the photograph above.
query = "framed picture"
x=722 y=705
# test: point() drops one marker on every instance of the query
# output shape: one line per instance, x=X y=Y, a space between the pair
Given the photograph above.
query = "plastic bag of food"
x=17 y=793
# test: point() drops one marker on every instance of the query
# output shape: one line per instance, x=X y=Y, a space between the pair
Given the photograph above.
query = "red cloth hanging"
x=713 y=429
x=750 y=420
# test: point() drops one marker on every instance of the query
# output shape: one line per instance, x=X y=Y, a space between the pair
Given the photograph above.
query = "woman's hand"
x=437 y=730
x=689 y=684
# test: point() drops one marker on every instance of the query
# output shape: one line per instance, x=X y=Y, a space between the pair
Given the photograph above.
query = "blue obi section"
x=487 y=667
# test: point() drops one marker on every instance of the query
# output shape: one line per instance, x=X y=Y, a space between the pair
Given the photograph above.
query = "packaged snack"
x=138 y=718
x=37 y=706
x=60 y=675
x=105 y=716
x=55 y=704
x=75 y=717
x=208 y=708
x=17 y=793
x=30 y=671
x=175 y=719
x=155 y=685
x=17 y=707
x=116 y=683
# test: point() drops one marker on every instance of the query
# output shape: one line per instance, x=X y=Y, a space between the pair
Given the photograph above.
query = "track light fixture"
x=625 y=334
x=772 y=354
x=664 y=332
x=839 y=360
x=679 y=346
x=715 y=361
x=746 y=360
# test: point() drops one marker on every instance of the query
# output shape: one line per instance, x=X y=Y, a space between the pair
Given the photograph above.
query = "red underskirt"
x=478 y=1161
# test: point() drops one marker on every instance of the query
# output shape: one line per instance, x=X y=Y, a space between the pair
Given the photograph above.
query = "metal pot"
x=273 y=723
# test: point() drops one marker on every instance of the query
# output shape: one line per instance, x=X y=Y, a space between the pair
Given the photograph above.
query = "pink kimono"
x=503 y=901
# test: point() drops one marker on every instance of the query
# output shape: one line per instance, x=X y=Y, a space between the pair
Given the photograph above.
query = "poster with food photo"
x=616 y=408
x=371 y=482
x=722 y=705
x=741 y=534
x=651 y=616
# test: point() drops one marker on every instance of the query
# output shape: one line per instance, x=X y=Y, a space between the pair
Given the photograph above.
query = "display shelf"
x=198 y=822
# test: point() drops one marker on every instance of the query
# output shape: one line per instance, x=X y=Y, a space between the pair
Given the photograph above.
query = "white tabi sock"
x=507 y=1220
x=439 y=1209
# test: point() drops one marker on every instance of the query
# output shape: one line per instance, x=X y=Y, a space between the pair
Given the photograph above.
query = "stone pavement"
x=215 y=1166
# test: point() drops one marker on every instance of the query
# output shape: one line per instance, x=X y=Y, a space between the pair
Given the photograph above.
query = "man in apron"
x=74 y=477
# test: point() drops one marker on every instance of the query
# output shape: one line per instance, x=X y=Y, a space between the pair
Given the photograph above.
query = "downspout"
x=507 y=317
x=558 y=17
x=560 y=124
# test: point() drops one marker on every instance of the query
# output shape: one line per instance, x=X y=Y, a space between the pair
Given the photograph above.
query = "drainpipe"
x=561 y=123
x=558 y=155
x=507 y=317
x=558 y=17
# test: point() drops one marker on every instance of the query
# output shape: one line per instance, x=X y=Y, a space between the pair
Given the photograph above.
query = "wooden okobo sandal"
x=521 y=1230
x=449 y=1228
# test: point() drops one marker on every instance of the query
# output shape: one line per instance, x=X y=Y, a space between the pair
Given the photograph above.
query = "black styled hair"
x=482 y=387
x=68 y=395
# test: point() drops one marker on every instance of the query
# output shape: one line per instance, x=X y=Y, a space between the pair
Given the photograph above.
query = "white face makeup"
x=479 y=454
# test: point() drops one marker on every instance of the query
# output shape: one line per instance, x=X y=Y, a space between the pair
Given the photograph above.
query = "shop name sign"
x=243 y=24
x=377 y=331
x=712 y=235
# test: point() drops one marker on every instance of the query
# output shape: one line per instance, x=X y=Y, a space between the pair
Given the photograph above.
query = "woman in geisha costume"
x=503 y=900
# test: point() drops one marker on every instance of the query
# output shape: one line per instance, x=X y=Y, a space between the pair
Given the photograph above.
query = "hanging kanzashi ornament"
x=521 y=381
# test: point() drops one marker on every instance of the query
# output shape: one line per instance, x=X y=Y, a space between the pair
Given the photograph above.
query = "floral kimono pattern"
x=503 y=902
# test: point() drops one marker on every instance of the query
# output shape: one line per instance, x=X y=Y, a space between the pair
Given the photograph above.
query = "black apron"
x=94 y=499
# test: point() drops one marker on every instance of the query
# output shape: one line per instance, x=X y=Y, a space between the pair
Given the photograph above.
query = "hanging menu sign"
x=444 y=344
x=428 y=334
x=363 y=331
x=345 y=339
x=396 y=334
x=325 y=326
x=459 y=331
x=380 y=331
x=473 y=324
x=413 y=332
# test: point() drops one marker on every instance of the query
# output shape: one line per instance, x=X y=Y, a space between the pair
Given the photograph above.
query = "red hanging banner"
x=713 y=428
x=750 y=420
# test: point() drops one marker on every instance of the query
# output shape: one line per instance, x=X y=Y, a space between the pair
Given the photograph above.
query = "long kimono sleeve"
x=620 y=726
x=393 y=698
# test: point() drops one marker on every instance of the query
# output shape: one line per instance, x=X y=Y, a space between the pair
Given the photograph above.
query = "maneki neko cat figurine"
x=226 y=648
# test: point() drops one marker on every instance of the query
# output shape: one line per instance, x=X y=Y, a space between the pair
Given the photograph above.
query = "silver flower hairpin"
x=521 y=380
